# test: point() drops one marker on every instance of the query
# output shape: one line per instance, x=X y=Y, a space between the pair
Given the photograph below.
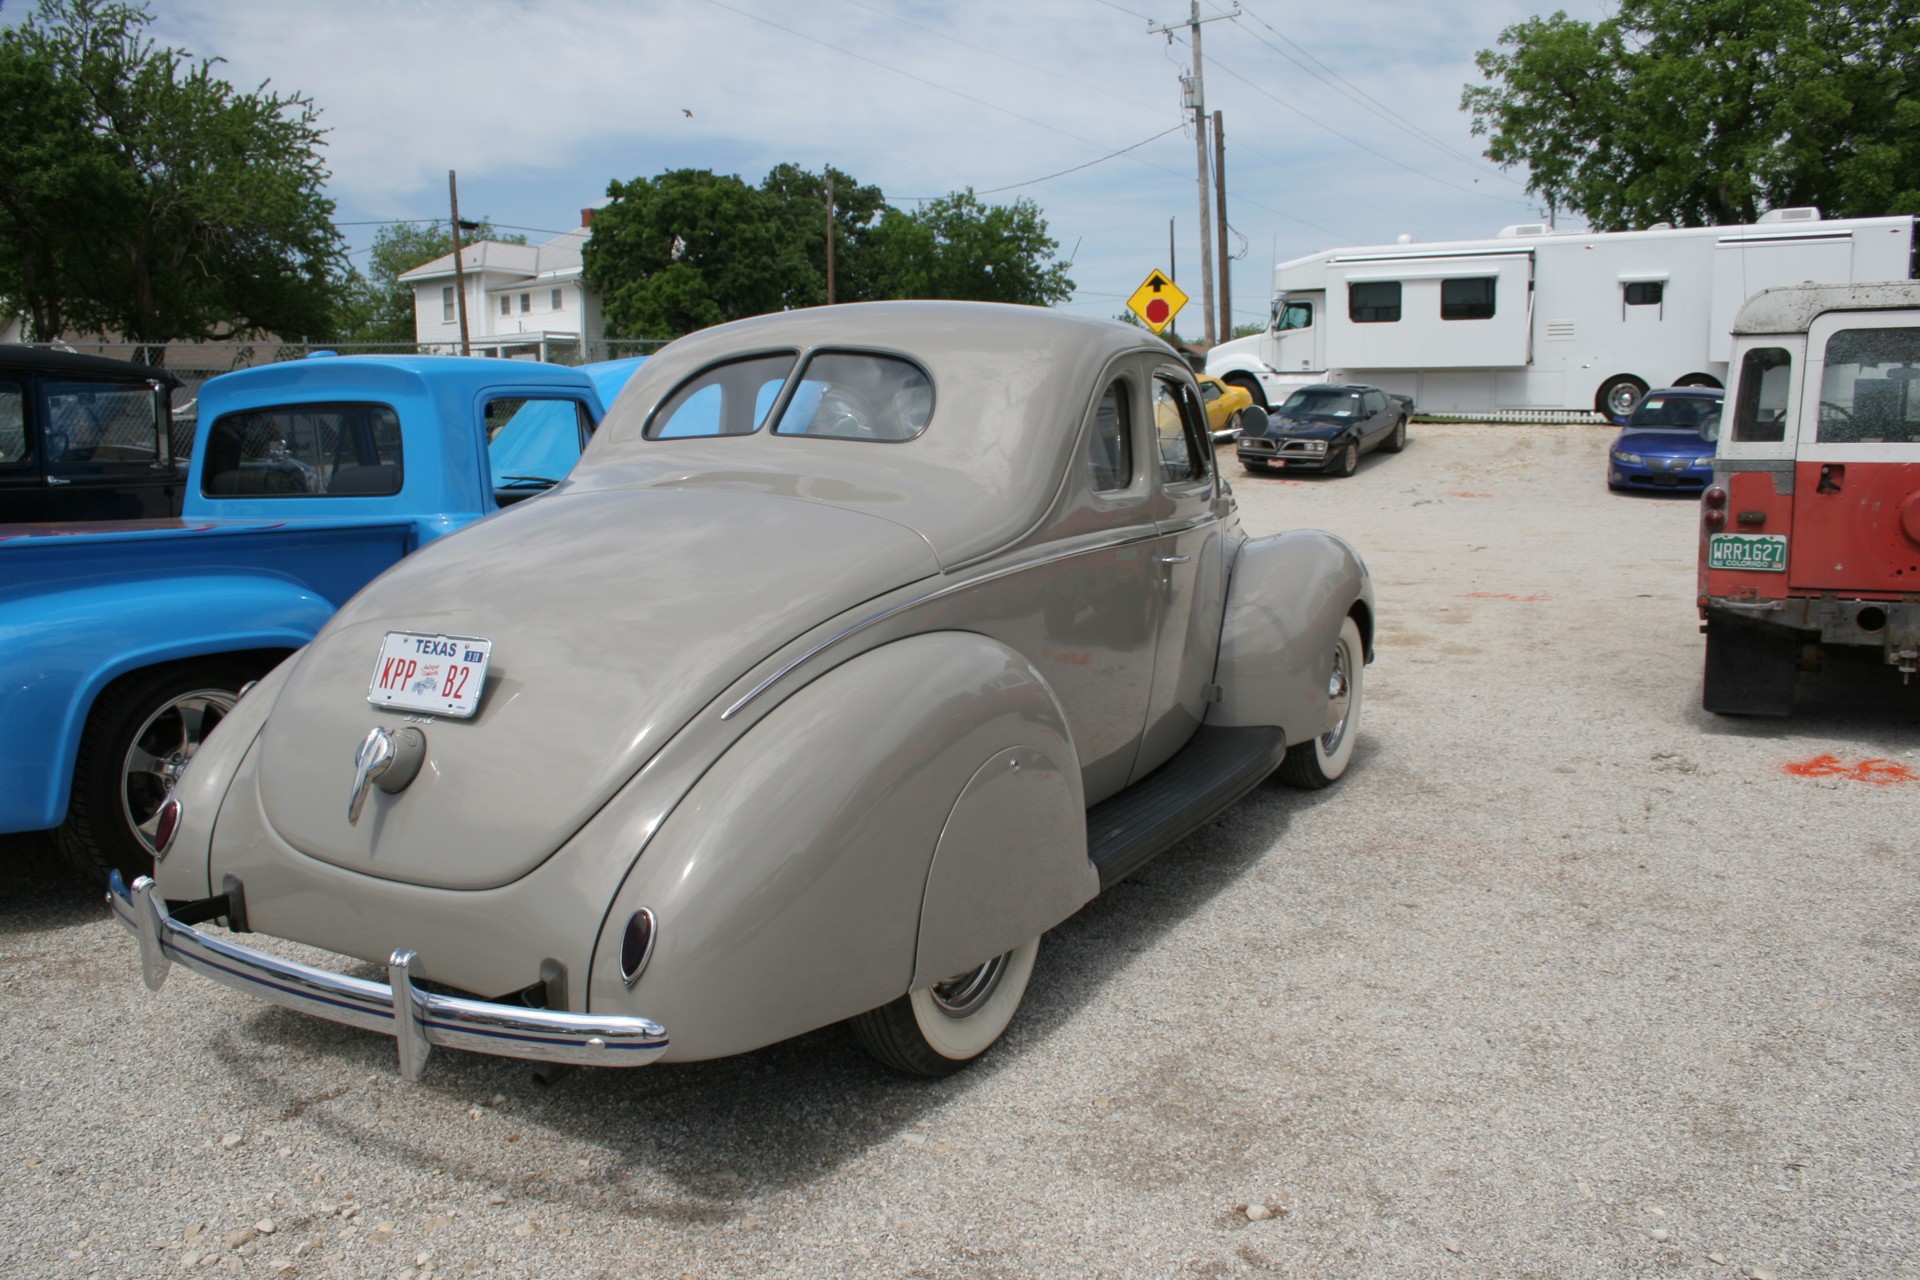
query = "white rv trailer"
x=1535 y=319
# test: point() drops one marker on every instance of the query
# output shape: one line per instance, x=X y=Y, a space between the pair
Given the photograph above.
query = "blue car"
x=1667 y=441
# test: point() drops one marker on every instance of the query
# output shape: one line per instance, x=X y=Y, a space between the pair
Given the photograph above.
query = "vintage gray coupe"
x=863 y=646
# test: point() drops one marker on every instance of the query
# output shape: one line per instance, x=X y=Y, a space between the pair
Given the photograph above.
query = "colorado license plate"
x=1765 y=552
x=441 y=675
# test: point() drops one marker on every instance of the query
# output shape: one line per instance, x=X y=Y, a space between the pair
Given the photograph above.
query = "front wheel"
x=1320 y=761
x=142 y=733
x=942 y=1027
x=1349 y=460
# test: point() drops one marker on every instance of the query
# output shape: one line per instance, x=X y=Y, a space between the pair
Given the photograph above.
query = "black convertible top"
x=16 y=358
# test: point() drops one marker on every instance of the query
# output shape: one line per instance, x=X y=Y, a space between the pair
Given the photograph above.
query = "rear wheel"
x=1320 y=761
x=1398 y=440
x=942 y=1027
x=143 y=731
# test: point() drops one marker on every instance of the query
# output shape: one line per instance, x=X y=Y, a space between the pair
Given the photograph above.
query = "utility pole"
x=459 y=272
x=1197 y=99
x=829 y=237
x=1220 y=209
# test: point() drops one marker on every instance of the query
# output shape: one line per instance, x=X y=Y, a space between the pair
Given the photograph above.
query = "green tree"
x=375 y=306
x=1701 y=112
x=142 y=194
x=958 y=247
x=799 y=199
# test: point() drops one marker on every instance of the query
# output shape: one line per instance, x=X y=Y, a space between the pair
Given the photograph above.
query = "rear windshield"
x=1870 y=389
x=840 y=395
x=324 y=450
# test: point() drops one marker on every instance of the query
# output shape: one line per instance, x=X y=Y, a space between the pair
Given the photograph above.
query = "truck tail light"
x=1714 y=500
x=1715 y=496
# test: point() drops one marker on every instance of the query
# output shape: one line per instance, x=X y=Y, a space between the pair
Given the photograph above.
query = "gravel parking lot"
x=1566 y=978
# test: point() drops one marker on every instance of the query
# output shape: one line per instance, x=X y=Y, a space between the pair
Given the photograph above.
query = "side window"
x=730 y=399
x=1373 y=301
x=857 y=395
x=1293 y=315
x=1870 y=387
x=13 y=424
x=1110 y=446
x=532 y=442
x=91 y=425
x=1177 y=432
x=1645 y=293
x=327 y=450
x=1467 y=299
x=1375 y=402
x=1760 y=414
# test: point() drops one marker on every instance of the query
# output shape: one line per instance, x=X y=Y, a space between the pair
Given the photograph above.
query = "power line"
x=1088 y=165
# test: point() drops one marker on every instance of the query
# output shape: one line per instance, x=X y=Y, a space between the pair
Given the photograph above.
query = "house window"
x=506 y=305
x=1467 y=299
x=556 y=299
x=1646 y=293
x=526 y=303
x=446 y=304
x=1373 y=302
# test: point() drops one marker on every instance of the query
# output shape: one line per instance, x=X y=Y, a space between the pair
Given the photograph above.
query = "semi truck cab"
x=1810 y=533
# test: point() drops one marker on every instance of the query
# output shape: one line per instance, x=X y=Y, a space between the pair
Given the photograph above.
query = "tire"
x=1398 y=440
x=939 y=1029
x=1618 y=395
x=1699 y=380
x=1320 y=761
x=141 y=733
x=1234 y=425
x=1249 y=384
x=1349 y=460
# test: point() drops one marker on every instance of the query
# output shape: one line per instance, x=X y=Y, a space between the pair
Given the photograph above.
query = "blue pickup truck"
x=123 y=644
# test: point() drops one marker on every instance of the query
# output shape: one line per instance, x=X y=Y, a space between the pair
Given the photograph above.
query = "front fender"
x=867 y=831
x=59 y=649
x=1285 y=602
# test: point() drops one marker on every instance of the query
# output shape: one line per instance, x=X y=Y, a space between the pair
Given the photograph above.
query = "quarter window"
x=1373 y=302
x=13 y=424
x=329 y=450
x=856 y=395
x=1110 y=445
x=1760 y=412
x=1470 y=299
x=1870 y=387
x=730 y=399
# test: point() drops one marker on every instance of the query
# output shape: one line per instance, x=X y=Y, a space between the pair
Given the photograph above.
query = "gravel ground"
x=1567 y=977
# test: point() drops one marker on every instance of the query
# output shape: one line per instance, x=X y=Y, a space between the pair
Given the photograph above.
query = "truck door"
x=1856 y=511
x=21 y=482
x=1298 y=344
x=108 y=453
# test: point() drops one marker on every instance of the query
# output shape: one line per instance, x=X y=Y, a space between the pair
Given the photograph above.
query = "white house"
x=526 y=301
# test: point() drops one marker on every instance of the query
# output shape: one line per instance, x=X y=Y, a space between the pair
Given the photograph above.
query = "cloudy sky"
x=1342 y=120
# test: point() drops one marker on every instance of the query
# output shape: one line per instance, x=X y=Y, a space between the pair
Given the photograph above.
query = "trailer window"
x=1373 y=301
x=1646 y=293
x=1870 y=389
x=1467 y=299
x=1760 y=415
x=1292 y=315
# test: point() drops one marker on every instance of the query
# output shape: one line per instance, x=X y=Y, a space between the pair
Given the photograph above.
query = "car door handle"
x=1175 y=559
x=57 y=480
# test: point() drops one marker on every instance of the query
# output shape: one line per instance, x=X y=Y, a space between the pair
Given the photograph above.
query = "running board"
x=1215 y=768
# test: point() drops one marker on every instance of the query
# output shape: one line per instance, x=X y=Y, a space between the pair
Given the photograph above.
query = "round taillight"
x=1715 y=497
x=636 y=945
x=1716 y=518
x=166 y=824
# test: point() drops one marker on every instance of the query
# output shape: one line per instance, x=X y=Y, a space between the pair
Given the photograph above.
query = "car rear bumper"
x=418 y=1020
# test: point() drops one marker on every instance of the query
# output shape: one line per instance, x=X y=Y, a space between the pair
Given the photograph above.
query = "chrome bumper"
x=424 y=1019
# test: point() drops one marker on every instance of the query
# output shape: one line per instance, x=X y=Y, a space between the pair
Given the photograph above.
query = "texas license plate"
x=1764 y=552
x=420 y=671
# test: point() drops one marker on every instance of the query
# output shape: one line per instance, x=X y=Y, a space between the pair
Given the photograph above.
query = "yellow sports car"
x=1226 y=406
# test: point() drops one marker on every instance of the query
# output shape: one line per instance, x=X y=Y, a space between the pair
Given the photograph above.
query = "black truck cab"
x=85 y=438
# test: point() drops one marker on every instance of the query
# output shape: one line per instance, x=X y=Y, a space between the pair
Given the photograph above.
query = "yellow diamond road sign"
x=1157 y=301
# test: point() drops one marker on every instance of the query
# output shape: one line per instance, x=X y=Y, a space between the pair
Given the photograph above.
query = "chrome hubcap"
x=161 y=752
x=1339 y=699
x=964 y=993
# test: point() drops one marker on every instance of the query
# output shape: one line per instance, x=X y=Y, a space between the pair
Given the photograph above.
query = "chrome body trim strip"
x=940 y=594
x=454 y=1022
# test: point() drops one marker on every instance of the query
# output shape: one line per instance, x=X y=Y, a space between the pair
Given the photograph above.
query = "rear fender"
x=59 y=649
x=868 y=831
x=1286 y=601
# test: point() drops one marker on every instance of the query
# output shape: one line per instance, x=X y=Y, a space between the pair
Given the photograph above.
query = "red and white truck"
x=1810 y=533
